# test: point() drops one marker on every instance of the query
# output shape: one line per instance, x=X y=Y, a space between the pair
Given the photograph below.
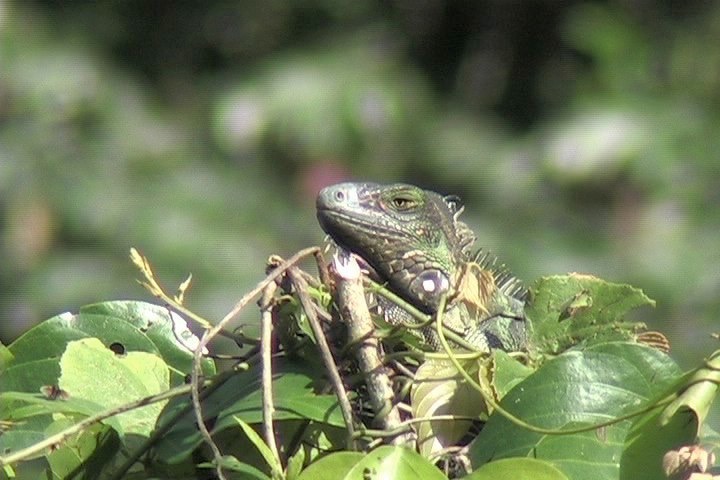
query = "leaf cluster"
x=125 y=389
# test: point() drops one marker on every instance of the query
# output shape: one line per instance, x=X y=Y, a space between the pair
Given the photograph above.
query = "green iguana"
x=413 y=241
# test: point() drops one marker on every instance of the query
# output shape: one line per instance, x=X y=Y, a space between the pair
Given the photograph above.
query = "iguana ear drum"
x=429 y=286
x=454 y=203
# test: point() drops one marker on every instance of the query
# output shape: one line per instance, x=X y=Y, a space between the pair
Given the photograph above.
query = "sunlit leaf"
x=93 y=372
x=581 y=309
x=168 y=331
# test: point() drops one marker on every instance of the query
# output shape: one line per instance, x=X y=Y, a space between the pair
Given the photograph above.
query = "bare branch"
x=335 y=380
x=266 y=354
x=210 y=334
x=354 y=311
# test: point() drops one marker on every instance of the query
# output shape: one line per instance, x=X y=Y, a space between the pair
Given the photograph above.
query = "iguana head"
x=411 y=237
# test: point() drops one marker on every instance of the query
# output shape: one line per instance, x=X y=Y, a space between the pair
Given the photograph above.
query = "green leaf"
x=20 y=385
x=29 y=376
x=295 y=464
x=657 y=432
x=93 y=372
x=30 y=418
x=6 y=357
x=23 y=435
x=34 y=405
x=573 y=389
x=294 y=398
x=86 y=453
x=505 y=372
x=699 y=392
x=397 y=463
x=649 y=440
x=331 y=467
x=50 y=338
x=517 y=469
x=263 y=448
x=127 y=325
x=570 y=309
x=168 y=332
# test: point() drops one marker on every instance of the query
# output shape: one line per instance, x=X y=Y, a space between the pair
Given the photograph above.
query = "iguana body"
x=414 y=242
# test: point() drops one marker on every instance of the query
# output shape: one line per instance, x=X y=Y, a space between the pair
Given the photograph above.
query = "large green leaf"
x=93 y=372
x=232 y=464
x=31 y=416
x=34 y=405
x=27 y=432
x=50 y=338
x=125 y=325
x=576 y=388
x=168 y=331
x=20 y=396
x=699 y=391
x=649 y=440
x=503 y=372
x=571 y=309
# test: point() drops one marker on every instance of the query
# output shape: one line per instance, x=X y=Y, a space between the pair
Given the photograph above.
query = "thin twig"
x=152 y=285
x=266 y=352
x=210 y=334
x=402 y=369
x=322 y=268
x=355 y=313
x=197 y=407
x=404 y=426
x=63 y=435
x=330 y=366
x=212 y=385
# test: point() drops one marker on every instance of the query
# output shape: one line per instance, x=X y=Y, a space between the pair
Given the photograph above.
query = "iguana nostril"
x=340 y=196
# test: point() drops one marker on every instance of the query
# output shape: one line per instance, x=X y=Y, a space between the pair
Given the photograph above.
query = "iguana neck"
x=410 y=236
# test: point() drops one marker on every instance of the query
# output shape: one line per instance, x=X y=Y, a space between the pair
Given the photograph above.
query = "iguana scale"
x=413 y=241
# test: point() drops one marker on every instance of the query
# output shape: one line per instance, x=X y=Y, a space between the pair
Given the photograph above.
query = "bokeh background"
x=582 y=136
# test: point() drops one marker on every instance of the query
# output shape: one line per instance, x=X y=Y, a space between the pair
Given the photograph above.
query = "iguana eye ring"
x=403 y=203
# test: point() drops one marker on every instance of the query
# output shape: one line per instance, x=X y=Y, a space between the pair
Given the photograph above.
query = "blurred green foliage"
x=583 y=136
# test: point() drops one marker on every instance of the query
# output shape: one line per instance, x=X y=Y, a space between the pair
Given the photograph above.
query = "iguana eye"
x=403 y=203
